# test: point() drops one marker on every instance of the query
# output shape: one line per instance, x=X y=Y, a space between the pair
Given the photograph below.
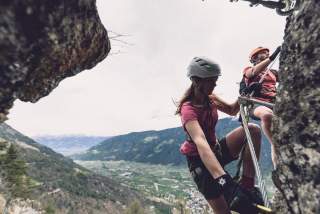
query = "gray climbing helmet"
x=203 y=67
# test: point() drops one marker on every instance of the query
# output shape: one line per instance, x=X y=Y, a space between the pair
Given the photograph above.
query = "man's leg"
x=265 y=115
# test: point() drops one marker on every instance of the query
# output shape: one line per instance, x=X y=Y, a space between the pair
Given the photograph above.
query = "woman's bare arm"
x=207 y=156
x=231 y=109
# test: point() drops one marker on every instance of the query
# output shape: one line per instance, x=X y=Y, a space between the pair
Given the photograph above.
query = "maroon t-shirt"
x=206 y=120
x=268 y=84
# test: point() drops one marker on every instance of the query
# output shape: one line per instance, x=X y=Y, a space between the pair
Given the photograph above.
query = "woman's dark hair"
x=189 y=94
x=186 y=97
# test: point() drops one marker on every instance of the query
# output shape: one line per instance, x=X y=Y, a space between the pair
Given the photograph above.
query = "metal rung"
x=248 y=101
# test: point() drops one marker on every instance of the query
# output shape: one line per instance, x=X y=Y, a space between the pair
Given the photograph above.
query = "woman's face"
x=208 y=84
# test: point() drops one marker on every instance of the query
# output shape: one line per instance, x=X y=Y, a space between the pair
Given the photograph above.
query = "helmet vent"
x=204 y=64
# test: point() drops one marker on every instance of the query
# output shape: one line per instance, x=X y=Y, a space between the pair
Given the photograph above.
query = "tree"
x=15 y=171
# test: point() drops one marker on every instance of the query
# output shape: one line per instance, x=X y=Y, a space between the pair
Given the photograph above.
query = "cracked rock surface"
x=297 y=125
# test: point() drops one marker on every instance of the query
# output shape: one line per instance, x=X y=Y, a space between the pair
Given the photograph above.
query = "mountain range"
x=69 y=144
x=158 y=147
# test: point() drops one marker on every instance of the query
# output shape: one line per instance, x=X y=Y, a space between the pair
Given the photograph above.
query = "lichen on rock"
x=296 y=126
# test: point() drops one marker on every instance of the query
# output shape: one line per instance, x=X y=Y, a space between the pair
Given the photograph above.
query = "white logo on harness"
x=222 y=181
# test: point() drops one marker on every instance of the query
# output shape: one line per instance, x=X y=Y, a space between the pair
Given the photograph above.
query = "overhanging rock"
x=44 y=41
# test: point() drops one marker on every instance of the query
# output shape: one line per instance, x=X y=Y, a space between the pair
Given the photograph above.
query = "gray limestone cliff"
x=297 y=125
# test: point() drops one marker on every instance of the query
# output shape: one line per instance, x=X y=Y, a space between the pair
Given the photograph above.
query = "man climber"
x=262 y=81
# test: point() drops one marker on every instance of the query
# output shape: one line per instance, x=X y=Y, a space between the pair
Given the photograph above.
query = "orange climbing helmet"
x=256 y=51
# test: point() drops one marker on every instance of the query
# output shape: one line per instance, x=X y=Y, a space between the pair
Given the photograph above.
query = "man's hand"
x=275 y=53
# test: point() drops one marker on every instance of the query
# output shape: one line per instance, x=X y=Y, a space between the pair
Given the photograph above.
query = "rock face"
x=2 y=201
x=297 y=125
x=18 y=206
x=44 y=41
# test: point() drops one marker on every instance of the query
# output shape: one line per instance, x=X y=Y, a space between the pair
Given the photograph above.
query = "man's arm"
x=231 y=109
x=261 y=66
x=258 y=68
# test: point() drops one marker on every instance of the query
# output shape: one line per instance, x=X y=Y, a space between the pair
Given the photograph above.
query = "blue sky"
x=133 y=90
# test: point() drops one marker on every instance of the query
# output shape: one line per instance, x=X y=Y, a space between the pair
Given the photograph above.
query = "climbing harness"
x=282 y=7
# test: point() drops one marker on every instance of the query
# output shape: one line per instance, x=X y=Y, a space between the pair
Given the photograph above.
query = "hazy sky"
x=133 y=91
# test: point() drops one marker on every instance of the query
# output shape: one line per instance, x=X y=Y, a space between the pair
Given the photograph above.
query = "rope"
x=261 y=182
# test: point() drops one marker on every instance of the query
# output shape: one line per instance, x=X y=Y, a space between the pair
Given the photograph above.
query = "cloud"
x=133 y=91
